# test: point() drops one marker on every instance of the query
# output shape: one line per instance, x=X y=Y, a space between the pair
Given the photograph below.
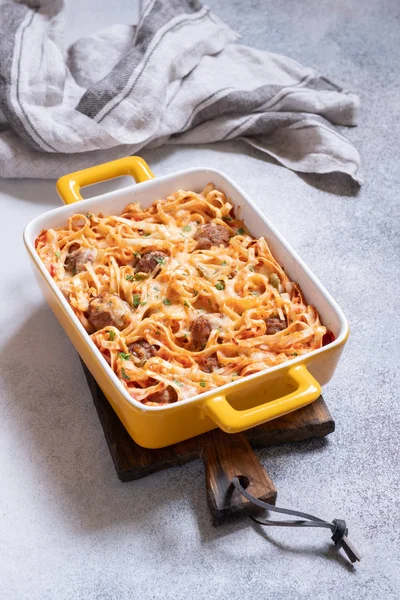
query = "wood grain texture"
x=224 y=455
x=227 y=456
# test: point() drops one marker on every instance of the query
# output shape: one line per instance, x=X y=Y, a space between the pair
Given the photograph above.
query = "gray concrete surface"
x=68 y=528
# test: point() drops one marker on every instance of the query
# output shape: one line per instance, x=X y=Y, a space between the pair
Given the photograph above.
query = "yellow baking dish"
x=233 y=407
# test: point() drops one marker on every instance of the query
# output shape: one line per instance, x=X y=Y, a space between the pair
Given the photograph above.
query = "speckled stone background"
x=69 y=528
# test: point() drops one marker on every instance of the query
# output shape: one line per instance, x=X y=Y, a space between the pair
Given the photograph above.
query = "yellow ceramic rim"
x=215 y=405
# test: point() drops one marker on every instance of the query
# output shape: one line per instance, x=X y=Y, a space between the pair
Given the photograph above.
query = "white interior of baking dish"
x=258 y=224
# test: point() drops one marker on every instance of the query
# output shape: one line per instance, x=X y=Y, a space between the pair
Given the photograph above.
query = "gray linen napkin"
x=176 y=78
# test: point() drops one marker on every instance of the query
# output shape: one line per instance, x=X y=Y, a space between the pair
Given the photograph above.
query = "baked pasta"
x=179 y=297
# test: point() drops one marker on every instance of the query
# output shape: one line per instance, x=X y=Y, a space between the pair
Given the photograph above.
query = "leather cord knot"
x=337 y=526
x=339 y=531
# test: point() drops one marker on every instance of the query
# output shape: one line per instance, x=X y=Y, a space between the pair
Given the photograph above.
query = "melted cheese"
x=230 y=286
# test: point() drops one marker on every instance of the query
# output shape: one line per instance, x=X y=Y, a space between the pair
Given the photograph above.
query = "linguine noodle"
x=239 y=289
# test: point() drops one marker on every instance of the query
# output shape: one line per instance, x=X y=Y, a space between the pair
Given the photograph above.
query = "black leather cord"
x=337 y=526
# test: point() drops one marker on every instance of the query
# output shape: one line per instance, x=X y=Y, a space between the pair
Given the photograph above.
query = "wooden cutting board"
x=224 y=455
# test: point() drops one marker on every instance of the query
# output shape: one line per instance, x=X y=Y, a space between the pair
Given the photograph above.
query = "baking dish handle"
x=232 y=421
x=69 y=186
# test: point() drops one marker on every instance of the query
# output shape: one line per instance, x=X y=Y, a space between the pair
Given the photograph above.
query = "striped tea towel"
x=176 y=78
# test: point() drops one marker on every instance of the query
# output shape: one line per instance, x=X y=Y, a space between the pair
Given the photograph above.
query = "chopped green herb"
x=185 y=335
x=160 y=260
x=58 y=255
x=227 y=218
x=251 y=268
x=178 y=383
x=124 y=356
x=186 y=228
x=255 y=293
x=139 y=277
x=129 y=277
x=146 y=234
x=274 y=280
x=186 y=304
x=220 y=285
x=136 y=300
x=166 y=302
x=203 y=383
x=295 y=354
x=195 y=292
x=223 y=263
x=158 y=332
x=143 y=303
x=111 y=335
x=155 y=288
x=89 y=215
x=241 y=231
x=137 y=254
x=124 y=375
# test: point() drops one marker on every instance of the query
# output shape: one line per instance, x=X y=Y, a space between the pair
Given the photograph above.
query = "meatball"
x=274 y=325
x=210 y=364
x=76 y=260
x=108 y=309
x=150 y=260
x=200 y=329
x=142 y=349
x=328 y=338
x=166 y=396
x=211 y=235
